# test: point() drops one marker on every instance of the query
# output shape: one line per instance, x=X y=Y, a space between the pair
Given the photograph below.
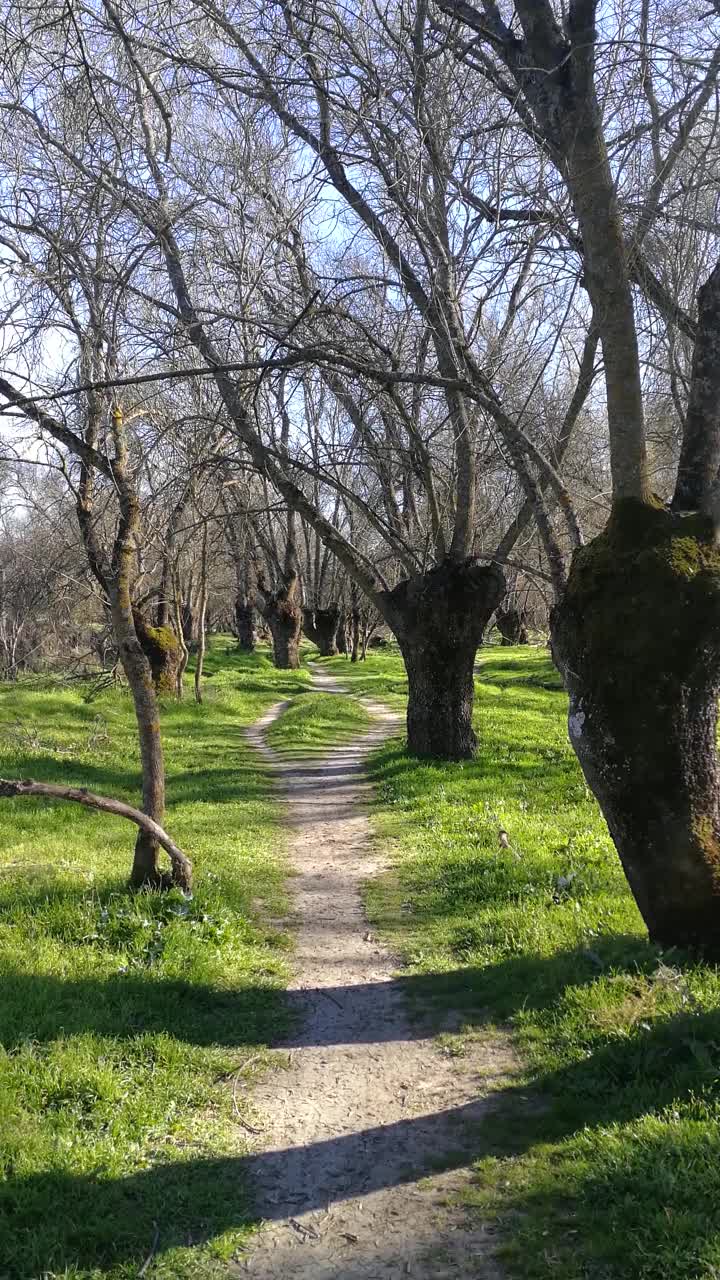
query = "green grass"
x=603 y=1159
x=316 y=722
x=119 y=1013
x=381 y=676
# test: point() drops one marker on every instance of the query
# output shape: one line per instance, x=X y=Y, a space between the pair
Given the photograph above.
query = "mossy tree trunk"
x=162 y=650
x=439 y=619
x=637 y=637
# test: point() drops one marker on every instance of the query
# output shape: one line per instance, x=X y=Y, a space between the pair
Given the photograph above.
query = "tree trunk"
x=511 y=625
x=136 y=665
x=285 y=622
x=245 y=624
x=188 y=621
x=354 y=624
x=162 y=650
x=327 y=622
x=439 y=618
x=341 y=639
x=184 y=651
x=200 y=655
x=637 y=638
x=202 y=615
x=309 y=626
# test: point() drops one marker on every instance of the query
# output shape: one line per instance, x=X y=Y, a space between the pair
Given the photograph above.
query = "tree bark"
x=637 y=638
x=244 y=624
x=700 y=453
x=188 y=621
x=202 y=619
x=162 y=650
x=200 y=655
x=511 y=625
x=354 y=623
x=284 y=619
x=136 y=665
x=182 y=867
x=309 y=626
x=439 y=618
x=341 y=638
x=327 y=622
x=184 y=651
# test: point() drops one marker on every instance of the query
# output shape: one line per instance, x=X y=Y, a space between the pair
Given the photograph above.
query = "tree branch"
x=181 y=865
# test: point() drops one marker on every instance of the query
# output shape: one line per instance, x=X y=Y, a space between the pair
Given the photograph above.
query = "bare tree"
x=636 y=632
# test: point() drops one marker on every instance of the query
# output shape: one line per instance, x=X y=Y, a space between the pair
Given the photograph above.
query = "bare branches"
x=181 y=865
x=700 y=455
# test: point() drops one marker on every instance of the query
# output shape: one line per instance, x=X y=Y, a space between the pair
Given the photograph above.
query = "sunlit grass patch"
x=122 y=1017
x=314 y=723
x=615 y=1176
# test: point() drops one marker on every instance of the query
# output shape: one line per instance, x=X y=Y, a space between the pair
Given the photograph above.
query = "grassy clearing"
x=603 y=1162
x=316 y=722
x=119 y=1014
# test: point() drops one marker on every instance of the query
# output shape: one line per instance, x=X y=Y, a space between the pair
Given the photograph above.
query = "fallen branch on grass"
x=181 y=865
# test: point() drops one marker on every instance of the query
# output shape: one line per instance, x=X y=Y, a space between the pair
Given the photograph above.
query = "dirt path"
x=368 y=1105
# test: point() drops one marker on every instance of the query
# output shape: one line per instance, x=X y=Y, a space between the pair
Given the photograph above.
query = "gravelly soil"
x=368 y=1105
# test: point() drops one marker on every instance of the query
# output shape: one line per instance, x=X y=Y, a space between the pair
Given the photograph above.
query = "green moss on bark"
x=162 y=650
x=637 y=637
x=648 y=587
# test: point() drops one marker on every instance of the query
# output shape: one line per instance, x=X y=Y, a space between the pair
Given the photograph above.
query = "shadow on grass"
x=536 y=670
x=244 y=779
x=553 y=766
x=41 y=1007
x=57 y=1219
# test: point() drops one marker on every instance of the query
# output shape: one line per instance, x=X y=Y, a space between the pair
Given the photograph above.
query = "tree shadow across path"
x=95 y=1221
x=37 y=1007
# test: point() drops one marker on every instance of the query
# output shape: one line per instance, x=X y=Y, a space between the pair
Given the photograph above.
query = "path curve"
x=368 y=1104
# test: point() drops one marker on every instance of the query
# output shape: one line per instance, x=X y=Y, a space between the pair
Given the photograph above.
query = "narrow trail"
x=368 y=1105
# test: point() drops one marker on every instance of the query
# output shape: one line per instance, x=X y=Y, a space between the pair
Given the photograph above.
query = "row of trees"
x=415 y=291
x=200 y=566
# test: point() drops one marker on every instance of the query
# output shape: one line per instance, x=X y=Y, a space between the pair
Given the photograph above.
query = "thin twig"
x=152 y=1252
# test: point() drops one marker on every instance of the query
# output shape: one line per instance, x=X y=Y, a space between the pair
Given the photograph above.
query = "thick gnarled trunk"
x=245 y=625
x=511 y=625
x=439 y=619
x=284 y=618
x=637 y=638
x=326 y=622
